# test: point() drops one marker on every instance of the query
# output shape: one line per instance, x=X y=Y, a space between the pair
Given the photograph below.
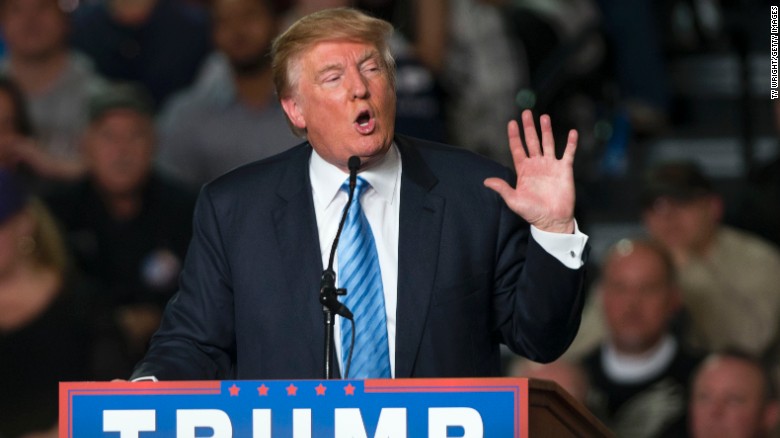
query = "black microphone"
x=328 y=291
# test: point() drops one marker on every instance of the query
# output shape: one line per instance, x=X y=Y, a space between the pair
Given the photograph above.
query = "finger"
x=531 y=138
x=571 y=146
x=548 y=142
x=515 y=143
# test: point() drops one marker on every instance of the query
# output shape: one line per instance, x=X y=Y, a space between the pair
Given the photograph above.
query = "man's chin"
x=371 y=156
x=634 y=346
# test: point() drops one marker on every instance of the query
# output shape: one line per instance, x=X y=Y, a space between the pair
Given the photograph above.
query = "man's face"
x=687 y=225
x=33 y=28
x=638 y=299
x=344 y=100
x=727 y=400
x=120 y=148
x=243 y=31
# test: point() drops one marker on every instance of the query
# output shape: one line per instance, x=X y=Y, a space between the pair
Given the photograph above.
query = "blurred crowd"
x=113 y=114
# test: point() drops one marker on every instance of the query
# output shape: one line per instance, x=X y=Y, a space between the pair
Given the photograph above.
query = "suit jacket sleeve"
x=538 y=309
x=471 y=277
x=196 y=338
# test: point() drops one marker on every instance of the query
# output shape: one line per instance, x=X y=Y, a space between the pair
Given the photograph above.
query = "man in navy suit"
x=461 y=268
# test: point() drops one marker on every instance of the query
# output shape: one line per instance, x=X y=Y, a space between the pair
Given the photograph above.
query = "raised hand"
x=544 y=192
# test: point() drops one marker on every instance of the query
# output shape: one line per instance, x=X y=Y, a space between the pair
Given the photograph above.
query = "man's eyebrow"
x=368 y=55
x=336 y=66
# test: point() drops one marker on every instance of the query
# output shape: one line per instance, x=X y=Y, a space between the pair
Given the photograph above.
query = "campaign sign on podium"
x=394 y=408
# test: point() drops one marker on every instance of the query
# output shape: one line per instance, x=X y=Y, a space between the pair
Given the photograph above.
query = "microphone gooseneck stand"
x=328 y=291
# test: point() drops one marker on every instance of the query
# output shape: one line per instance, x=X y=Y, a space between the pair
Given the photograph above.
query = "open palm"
x=544 y=192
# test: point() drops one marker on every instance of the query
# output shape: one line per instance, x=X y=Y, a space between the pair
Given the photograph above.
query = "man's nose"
x=359 y=85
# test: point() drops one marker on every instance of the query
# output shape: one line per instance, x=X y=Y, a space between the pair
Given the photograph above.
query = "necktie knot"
x=360 y=185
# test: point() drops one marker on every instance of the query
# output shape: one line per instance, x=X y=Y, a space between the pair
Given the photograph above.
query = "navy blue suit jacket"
x=469 y=276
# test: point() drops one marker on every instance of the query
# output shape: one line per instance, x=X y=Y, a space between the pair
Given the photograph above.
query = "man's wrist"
x=567 y=248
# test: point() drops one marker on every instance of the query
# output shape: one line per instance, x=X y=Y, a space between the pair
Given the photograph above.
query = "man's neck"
x=36 y=74
x=123 y=207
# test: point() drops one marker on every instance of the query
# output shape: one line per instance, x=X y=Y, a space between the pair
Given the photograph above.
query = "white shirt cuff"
x=567 y=248
x=145 y=379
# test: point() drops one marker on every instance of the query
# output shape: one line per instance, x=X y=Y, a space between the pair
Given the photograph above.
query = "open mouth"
x=365 y=123
x=363 y=119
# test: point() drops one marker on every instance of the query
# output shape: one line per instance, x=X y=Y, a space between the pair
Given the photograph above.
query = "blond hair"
x=338 y=24
x=49 y=250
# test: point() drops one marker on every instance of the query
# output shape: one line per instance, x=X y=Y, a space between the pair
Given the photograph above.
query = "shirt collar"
x=326 y=179
x=632 y=370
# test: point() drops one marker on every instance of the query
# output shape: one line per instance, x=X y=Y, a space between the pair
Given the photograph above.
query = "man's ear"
x=294 y=112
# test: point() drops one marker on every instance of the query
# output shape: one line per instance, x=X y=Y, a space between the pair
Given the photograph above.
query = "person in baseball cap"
x=678 y=180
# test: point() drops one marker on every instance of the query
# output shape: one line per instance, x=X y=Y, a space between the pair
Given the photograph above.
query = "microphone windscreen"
x=353 y=164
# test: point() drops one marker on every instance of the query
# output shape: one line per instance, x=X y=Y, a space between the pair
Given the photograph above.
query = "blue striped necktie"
x=360 y=275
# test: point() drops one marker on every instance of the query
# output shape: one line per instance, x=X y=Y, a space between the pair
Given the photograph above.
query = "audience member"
x=480 y=63
x=546 y=28
x=563 y=48
x=482 y=72
x=127 y=225
x=733 y=396
x=479 y=69
x=639 y=375
x=56 y=83
x=50 y=325
x=232 y=117
x=634 y=32
x=757 y=208
x=159 y=43
x=425 y=25
x=730 y=279
x=301 y=8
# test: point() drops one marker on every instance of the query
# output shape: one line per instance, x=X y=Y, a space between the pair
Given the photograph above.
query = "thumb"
x=501 y=187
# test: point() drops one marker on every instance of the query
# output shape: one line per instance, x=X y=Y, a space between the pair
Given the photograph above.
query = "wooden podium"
x=397 y=408
x=554 y=413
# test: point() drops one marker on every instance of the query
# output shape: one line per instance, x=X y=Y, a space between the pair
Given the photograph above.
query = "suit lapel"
x=419 y=234
x=296 y=229
x=418 y=249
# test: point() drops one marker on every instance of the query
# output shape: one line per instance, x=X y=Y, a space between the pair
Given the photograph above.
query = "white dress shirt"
x=381 y=204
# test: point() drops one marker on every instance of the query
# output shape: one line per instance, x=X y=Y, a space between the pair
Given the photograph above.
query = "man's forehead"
x=726 y=369
x=334 y=50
